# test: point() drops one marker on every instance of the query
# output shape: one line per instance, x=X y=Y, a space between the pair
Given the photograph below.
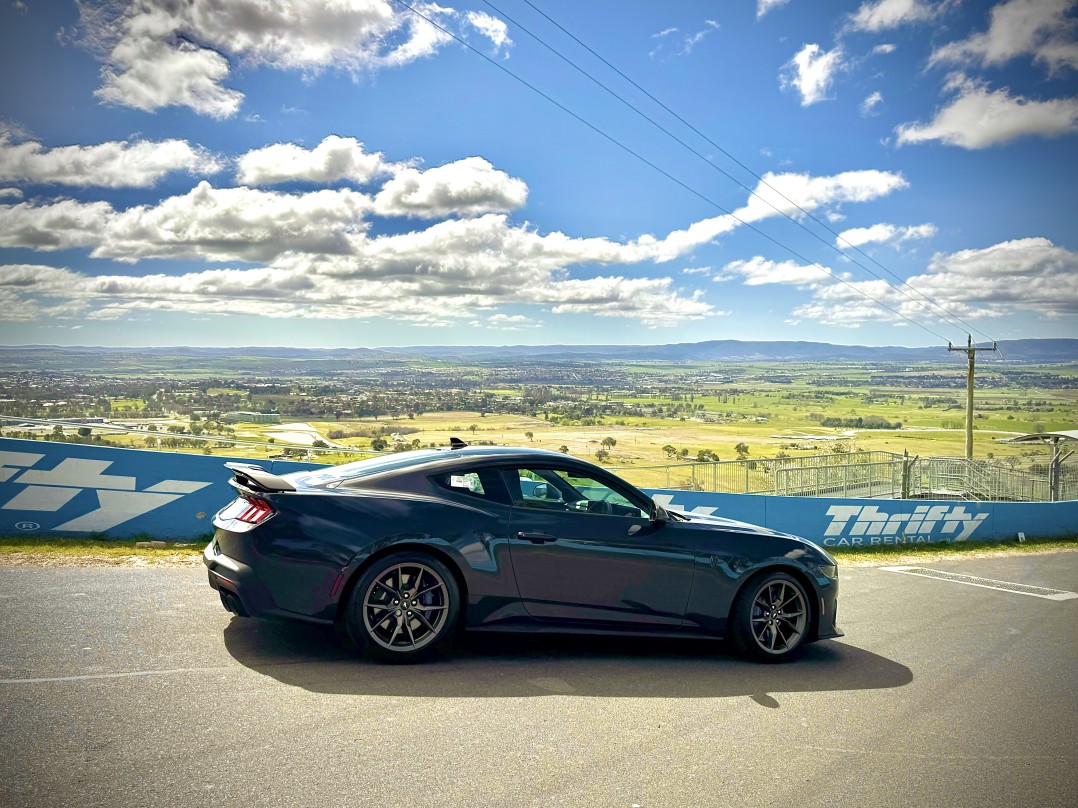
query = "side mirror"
x=658 y=514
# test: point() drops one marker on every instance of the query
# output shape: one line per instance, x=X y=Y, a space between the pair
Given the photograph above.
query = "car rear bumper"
x=242 y=593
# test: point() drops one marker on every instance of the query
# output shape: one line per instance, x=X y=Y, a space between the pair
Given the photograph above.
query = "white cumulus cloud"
x=491 y=27
x=758 y=271
x=334 y=159
x=883 y=15
x=790 y=191
x=811 y=72
x=883 y=233
x=977 y=118
x=868 y=106
x=1042 y=29
x=250 y=224
x=224 y=224
x=764 y=6
x=114 y=164
x=57 y=225
x=465 y=187
x=159 y=53
x=320 y=259
x=1030 y=274
x=506 y=322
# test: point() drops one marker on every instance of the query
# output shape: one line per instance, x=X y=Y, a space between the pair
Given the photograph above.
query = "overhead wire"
x=937 y=309
x=667 y=174
x=926 y=302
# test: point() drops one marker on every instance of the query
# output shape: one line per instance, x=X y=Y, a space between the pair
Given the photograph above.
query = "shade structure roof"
x=1047 y=437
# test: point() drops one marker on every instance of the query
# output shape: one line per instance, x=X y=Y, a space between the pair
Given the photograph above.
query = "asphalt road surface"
x=132 y=687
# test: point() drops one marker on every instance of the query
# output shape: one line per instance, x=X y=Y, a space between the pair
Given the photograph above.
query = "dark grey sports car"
x=406 y=548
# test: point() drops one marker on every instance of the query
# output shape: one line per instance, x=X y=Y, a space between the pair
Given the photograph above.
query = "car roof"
x=419 y=460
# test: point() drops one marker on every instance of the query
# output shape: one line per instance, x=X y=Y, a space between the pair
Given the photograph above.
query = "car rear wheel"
x=771 y=618
x=403 y=607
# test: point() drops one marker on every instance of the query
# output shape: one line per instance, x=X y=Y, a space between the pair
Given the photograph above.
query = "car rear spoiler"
x=258 y=479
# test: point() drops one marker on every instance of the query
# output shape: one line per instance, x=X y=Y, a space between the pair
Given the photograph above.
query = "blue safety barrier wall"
x=68 y=489
x=835 y=522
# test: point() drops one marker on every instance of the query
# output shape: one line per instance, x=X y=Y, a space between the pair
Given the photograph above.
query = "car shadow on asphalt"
x=523 y=665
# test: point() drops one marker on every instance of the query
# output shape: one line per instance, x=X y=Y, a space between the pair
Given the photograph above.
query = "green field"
x=646 y=412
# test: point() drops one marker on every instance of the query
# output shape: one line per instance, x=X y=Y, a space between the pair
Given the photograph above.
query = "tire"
x=403 y=608
x=771 y=618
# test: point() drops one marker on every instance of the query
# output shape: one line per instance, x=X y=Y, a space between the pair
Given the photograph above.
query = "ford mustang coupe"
x=404 y=549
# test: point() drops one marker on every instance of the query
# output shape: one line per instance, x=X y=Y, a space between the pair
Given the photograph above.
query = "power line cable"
x=940 y=311
x=667 y=174
x=937 y=309
x=947 y=316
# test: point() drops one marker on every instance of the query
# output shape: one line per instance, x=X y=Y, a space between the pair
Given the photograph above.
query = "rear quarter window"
x=480 y=484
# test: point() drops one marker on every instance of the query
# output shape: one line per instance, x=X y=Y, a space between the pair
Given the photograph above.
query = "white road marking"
x=123 y=675
x=986 y=583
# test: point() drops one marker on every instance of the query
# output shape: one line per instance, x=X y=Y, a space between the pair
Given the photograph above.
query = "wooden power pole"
x=971 y=352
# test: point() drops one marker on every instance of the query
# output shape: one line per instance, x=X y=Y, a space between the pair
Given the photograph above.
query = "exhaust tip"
x=233 y=604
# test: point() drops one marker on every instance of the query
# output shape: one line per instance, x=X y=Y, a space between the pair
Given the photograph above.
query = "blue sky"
x=345 y=173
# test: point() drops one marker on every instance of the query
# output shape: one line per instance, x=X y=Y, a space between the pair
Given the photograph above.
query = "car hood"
x=721 y=523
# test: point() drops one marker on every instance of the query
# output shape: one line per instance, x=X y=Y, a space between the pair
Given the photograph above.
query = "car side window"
x=564 y=490
x=480 y=484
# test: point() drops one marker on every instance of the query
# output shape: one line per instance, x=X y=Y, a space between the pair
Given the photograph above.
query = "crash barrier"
x=68 y=490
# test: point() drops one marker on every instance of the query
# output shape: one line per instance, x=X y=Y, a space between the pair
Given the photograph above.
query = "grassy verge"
x=44 y=551
x=885 y=555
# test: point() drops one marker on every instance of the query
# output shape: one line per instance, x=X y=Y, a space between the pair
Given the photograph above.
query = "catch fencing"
x=872 y=475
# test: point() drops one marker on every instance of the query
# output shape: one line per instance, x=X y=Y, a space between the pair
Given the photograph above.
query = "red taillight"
x=251 y=510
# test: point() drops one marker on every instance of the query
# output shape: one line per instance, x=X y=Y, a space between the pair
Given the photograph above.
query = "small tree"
x=85 y=431
x=473 y=428
x=609 y=443
x=742 y=450
x=670 y=451
x=563 y=449
x=602 y=455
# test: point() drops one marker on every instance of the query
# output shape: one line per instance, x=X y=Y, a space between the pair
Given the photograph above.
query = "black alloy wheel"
x=771 y=618
x=403 y=607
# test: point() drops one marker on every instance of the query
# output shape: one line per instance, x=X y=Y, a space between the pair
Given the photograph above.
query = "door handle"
x=536 y=537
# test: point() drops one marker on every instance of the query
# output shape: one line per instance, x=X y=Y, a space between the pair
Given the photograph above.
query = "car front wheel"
x=771 y=618
x=403 y=607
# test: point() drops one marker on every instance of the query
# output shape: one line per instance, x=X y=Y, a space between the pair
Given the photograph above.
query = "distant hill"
x=263 y=361
x=731 y=350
